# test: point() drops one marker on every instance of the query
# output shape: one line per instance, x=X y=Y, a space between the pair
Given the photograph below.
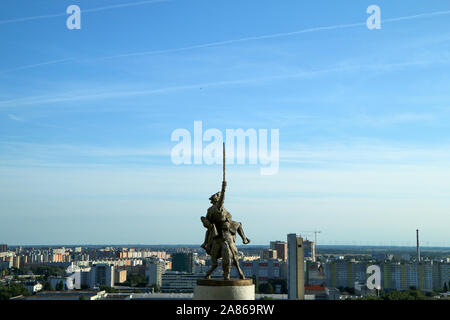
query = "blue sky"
x=86 y=117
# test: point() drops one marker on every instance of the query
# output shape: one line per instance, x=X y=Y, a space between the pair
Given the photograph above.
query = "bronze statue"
x=221 y=232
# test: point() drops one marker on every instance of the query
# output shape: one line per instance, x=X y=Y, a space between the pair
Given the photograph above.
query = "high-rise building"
x=154 y=272
x=394 y=275
x=314 y=273
x=441 y=275
x=268 y=254
x=102 y=274
x=183 y=262
x=120 y=276
x=87 y=278
x=16 y=262
x=344 y=273
x=296 y=274
x=264 y=270
x=401 y=276
x=310 y=249
x=3 y=247
x=23 y=260
x=281 y=248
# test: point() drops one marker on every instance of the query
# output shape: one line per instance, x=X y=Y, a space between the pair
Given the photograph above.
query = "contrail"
x=33 y=18
x=219 y=43
x=71 y=97
x=30 y=66
x=275 y=35
x=115 y=6
x=417 y=16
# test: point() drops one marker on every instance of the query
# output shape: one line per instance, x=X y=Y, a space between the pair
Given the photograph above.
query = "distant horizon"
x=195 y=245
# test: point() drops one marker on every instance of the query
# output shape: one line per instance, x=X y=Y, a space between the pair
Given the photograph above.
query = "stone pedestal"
x=224 y=290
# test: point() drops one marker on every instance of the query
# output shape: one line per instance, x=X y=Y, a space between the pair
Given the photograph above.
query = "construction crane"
x=315 y=234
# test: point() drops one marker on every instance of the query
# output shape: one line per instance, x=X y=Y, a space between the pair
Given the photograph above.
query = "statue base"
x=224 y=290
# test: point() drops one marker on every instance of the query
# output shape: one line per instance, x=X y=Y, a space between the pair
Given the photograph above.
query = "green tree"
x=108 y=289
x=48 y=286
x=266 y=288
x=445 y=287
x=136 y=280
x=8 y=291
x=266 y=298
x=156 y=288
x=46 y=270
x=59 y=286
x=370 y=297
x=256 y=283
x=350 y=290
x=411 y=294
x=279 y=282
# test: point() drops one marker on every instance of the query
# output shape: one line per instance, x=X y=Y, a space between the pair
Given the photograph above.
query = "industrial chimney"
x=418 y=247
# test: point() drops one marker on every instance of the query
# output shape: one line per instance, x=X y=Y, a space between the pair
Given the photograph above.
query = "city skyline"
x=86 y=118
x=355 y=244
x=291 y=269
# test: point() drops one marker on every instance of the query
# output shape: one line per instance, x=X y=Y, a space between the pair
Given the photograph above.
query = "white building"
x=34 y=286
x=155 y=270
x=68 y=282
